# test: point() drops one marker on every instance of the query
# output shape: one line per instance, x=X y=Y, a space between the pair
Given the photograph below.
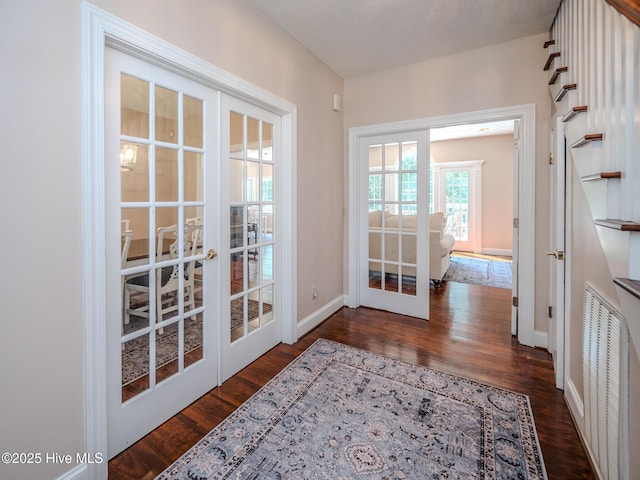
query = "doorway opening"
x=471 y=184
x=523 y=117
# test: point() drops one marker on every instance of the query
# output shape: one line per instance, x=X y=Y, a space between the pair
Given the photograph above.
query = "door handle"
x=211 y=254
x=559 y=254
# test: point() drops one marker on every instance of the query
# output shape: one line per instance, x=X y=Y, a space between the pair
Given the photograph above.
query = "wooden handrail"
x=631 y=286
x=629 y=8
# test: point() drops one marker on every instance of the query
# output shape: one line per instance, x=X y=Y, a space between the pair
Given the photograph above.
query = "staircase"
x=594 y=81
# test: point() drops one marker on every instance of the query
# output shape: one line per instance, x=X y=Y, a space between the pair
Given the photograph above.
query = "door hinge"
x=516 y=223
x=550 y=314
x=514 y=301
x=551 y=159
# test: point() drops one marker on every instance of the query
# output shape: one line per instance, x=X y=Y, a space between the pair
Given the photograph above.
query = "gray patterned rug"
x=337 y=412
x=479 y=271
x=135 y=355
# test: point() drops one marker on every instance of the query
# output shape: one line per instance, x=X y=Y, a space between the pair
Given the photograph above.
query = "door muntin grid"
x=251 y=224
x=392 y=209
x=162 y=160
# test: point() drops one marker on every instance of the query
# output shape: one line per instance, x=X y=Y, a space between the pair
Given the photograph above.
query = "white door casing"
x=556 y=252
x=515 y=244
x=524 y=188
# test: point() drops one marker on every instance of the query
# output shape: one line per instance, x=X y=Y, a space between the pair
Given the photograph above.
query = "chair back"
x=125 y=243
x=191 y=241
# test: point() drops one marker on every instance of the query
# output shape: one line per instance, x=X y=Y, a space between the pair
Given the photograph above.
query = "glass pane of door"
x=392 y=221
x=457 y=204
x=162 y=220
x=251 y=222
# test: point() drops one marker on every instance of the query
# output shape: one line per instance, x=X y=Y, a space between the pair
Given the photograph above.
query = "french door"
x=251 y=161
x=457 y=191
x=162 y=214
x=393 y=207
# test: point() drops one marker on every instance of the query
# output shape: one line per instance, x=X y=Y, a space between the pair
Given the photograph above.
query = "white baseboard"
x=79 y=472
x=502 y=252
x=576 y=409
x=541 y=339
x=316 y=318
x=575 y=404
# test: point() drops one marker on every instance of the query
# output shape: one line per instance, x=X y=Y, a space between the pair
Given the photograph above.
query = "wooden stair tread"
x=574 y=111
x=601 y=176
x=557 y=73
x=590 y=137
x=550 y=60
x=564 y=90
x=628 y=284
x=617 y=224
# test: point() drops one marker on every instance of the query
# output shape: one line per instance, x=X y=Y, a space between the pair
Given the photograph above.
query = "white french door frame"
x=99 y=30
x=474 y=169
x=525 y=188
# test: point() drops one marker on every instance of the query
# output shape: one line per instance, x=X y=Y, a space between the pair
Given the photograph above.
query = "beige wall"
x=502 y=75
x=497 y=182
x=41 y=342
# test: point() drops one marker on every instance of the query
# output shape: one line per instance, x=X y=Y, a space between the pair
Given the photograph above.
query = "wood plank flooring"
x=468 y=335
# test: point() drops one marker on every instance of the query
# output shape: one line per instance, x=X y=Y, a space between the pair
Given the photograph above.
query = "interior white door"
x=555 y=327
x=162 y=282
x=458 y=193
x=251 y=219
x=516 y=227
x=393 y=207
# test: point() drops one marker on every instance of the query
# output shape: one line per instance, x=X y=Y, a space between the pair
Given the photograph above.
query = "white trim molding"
x=314 y=319
x=525 y=187
x=100 y=29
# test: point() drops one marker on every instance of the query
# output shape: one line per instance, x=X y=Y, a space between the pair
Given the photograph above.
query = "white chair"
x=126 y=237
x=167 y=277
x=197 y=276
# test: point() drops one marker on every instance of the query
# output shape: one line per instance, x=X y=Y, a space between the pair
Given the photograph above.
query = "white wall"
x=502 y=75
x=41 y=341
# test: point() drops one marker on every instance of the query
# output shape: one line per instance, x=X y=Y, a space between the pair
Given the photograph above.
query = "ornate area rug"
x=337 y=412
x=135 y=356
x=479 y=271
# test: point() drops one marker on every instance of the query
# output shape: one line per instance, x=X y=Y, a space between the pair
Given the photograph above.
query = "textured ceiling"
x=356 y=37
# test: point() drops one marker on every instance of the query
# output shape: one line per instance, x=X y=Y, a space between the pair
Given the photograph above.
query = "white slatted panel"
x=601 y=49
x=605 y=365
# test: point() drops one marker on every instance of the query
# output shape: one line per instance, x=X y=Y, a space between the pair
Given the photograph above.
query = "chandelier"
x=127 y=157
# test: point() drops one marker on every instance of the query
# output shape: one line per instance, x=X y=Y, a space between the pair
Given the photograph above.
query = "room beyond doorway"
x=524 y=200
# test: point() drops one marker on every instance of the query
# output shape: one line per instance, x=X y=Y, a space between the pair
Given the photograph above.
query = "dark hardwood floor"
x=468 y=335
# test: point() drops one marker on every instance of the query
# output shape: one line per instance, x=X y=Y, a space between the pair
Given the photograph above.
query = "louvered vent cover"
x=605 y=376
